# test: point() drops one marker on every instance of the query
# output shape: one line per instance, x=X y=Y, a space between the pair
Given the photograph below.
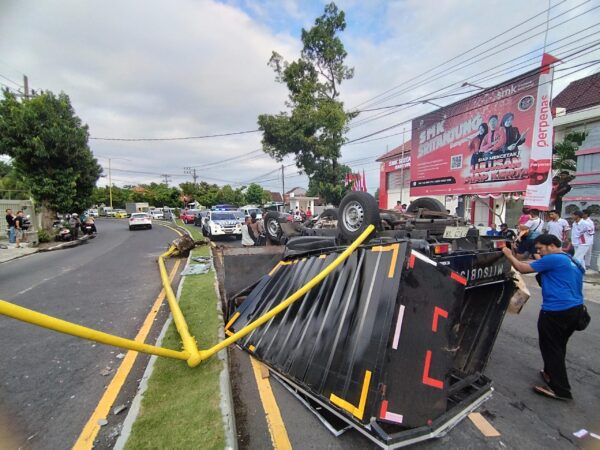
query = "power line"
x=444 y=72
x=462 y=112
x=185 y=138
x=12 y=81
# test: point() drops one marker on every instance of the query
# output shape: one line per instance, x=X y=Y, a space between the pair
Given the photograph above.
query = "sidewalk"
x=10 y=253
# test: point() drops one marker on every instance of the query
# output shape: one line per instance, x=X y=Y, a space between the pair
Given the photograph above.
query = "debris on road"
x=106 y=371
x=120 y=356
x=196 y=269
x=483 y=425
x=102 y=422
x=119 y=409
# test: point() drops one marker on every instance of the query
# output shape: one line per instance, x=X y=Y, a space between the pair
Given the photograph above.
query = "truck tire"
x=426 y=203
x=272 y=227
x=357 y=211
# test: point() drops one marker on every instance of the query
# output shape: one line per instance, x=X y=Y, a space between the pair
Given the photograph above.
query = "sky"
x=156 y=69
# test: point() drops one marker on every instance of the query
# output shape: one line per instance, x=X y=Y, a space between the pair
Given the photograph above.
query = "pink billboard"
x=498 y=141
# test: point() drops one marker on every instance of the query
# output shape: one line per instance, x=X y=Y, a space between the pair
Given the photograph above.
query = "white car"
x=157 y=214
x=221 y=223
x=92 y=212
x=248 y=210
x=140 y=220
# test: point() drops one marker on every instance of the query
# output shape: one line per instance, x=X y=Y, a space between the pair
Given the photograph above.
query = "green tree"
x=12 y=186
x=564 y=157
x=48 y=146
x=256 y=195
x=229 y=195
x=207 y=194
x=313 y=131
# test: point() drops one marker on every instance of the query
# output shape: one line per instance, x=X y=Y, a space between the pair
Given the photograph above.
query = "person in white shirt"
x=580 y=236
x=557 y=226
x=528 y=232
x=590 y=222
x=247 y=240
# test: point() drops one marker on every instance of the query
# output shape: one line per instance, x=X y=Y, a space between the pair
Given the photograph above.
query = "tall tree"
x=256 y=195
x=313 y=130
x=564 y=157
x=48 y=146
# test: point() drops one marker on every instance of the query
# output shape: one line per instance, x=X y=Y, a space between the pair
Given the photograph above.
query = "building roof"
x=579 y=94
x=404 y=148
x=275 y=196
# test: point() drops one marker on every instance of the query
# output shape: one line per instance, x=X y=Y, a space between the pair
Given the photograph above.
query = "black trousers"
x=554 y=329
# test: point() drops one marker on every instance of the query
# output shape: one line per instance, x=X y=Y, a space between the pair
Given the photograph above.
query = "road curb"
x=68 y=244
x=226 y=401
x=136 y=403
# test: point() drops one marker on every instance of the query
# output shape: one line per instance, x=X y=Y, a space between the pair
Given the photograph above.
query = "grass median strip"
x=181 y=407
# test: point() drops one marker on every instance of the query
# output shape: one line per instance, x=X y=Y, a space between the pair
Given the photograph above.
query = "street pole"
x=26 y=86
x=402 y=165
x=283 y=186
x=109 y=184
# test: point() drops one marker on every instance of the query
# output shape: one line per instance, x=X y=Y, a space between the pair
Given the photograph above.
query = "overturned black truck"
x=395 y=340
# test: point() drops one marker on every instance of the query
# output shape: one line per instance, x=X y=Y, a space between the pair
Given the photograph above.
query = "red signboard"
x=483 y=144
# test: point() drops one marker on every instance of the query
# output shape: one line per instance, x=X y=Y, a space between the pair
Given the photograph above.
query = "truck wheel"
x=357 y=211
x=272 y=227
x=426 y=203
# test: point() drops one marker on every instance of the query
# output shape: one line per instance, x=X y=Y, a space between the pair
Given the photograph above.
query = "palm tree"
x=564 y=157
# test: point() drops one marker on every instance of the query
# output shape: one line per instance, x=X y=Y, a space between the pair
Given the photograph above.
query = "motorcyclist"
x=89 y=226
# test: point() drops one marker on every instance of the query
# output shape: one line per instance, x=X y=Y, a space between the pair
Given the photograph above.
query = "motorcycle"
x=64 y=234
x=88 y=229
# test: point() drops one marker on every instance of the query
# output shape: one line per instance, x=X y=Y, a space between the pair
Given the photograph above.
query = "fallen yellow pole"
x=189 y=343
x=194 y=360
x=52 y=323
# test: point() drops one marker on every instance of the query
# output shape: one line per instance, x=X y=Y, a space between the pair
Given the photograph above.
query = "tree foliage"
x=314 y=128
x=12 y=186
x=564 y=152
x=48 y=146
x=256 y=195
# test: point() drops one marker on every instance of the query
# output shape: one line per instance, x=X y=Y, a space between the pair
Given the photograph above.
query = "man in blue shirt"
x=562 y=300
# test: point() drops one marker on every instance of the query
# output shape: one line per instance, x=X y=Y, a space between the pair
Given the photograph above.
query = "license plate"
x=456 y=232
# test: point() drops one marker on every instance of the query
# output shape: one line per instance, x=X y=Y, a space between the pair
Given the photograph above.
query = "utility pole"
x=26 y=86
x=167 y=178
x=191 y=171
x=283 y=185
x=109 y=184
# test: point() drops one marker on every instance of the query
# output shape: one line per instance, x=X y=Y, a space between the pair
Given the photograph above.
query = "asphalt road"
x=50 y=383
x=524 y=419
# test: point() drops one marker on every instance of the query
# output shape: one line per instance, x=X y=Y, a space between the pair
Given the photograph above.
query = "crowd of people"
x=16 y=225
x=575 y=239
x=559 y=253
x=253 y=231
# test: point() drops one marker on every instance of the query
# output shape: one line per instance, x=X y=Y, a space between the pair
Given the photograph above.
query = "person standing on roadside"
x=557 y=226
x=309 y=213
x=563 y=187
x=247 y=237
x=10 y=222
x=588 y=256
x=19 y=231
x=562 y=305
x=581 y=236
x=74 y=224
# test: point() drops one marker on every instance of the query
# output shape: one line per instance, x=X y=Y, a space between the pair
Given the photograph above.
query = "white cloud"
x=157 y=69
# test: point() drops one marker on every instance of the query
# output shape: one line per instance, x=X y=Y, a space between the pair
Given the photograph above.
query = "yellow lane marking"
x=90 y=431
x=357 y=411
x=174 y=229
x=279 y=436
x=394 y=248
